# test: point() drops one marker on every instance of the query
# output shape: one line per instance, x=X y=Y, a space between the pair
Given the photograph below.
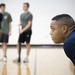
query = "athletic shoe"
x=17 y=60
x=26 y=60
x=4 y=59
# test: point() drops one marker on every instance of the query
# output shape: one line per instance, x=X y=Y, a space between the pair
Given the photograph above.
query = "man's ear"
x=64 y=29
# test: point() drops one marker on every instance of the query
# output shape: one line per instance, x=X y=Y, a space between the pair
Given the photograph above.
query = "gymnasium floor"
x=43 y=61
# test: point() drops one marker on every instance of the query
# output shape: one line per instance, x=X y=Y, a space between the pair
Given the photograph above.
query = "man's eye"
x=53 y=29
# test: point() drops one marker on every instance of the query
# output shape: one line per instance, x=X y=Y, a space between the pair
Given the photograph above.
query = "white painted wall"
x=43 y=11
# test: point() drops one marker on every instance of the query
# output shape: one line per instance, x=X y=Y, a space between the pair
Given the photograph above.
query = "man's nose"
x=50 y=32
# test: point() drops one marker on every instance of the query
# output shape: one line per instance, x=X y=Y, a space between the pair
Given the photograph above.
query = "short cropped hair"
x=27 y=4
x=65 y=19
x=2 y=4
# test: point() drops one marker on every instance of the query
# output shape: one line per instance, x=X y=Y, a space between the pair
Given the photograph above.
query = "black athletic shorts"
x=4 y=38
x=25 y=37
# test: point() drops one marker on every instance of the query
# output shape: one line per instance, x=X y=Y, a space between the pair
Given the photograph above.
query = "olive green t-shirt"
x=24 y=18
x=5 y=23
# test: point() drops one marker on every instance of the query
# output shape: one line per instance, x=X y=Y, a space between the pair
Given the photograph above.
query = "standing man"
x=6 y=30
x=25 y=33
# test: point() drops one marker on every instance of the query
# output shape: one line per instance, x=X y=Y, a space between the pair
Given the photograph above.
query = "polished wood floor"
x=42 y=61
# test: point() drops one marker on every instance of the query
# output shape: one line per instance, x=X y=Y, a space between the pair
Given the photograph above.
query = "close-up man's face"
x=25 y=7
x=2 y=8
x=56 y=32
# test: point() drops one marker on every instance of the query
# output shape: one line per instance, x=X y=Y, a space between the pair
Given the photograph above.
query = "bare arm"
x=9 y=29
x=27 y=27
x=20 y=24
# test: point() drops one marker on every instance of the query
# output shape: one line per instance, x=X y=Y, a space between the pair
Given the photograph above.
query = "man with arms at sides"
x=6 y=30
x=25 y=33
x=63 y=31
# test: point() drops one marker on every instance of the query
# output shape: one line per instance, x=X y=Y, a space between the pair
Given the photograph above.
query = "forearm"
x=26 y=28
x=9 y=27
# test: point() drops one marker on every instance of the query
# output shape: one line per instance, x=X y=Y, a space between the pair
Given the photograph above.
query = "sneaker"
x=17 y=60
x=4 y=59
x=26 y=60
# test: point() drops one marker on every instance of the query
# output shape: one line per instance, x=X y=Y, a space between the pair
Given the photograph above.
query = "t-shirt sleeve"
x=30 y=18
x=10 y=18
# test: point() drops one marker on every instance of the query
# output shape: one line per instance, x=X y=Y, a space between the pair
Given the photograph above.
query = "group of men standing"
x=24 y=33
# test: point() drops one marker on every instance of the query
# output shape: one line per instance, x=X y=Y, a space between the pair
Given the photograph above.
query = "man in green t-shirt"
x=6 y=30
x=25 y=32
